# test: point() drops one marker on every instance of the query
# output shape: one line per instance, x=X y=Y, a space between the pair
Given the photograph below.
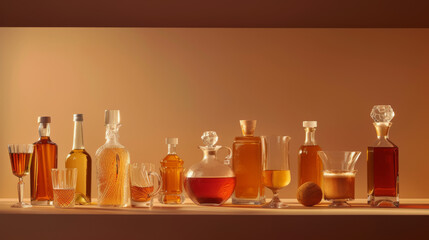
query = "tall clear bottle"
x=247 y=166
x=309 y=163
x=172 y=175
x=78 y=158
x=382 y=161
x=112 y=165
x=45 y=157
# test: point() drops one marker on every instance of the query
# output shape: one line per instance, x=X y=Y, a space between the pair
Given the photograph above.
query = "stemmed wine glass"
x=276 y=172
x=20 y=160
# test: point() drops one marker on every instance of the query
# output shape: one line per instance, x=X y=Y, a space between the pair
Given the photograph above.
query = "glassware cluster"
x=253 y=164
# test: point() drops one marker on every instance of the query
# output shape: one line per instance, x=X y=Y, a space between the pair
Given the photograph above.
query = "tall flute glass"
x=276 y=172
x=20 y=160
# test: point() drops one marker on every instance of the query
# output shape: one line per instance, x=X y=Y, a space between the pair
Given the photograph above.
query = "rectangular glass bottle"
x=45 y=157
x=310 y=167
x=247 y=166
x=78 y=158
x=172 y=175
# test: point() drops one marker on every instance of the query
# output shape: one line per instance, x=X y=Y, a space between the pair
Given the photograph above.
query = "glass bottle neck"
x=310 y=136
x=78 y=135
x=171 y=149
x=44 y=130
x=112 y=132
x=382 y=129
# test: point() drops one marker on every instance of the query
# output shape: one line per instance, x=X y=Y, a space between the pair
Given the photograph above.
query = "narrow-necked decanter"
x=382 y=160
x=112 y=164
x=78 y=158
x=45 y=157
x=309 y=163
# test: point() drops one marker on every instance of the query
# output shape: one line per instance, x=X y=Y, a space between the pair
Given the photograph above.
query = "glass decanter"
x=210 y=182
x=382 y=163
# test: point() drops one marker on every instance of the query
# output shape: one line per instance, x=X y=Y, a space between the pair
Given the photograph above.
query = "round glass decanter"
x=210 y=182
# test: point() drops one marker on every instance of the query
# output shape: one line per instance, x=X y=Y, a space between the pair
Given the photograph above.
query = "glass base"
x=383 y=201
x=172 y=199
x=244 y=201
x=275 y=203
x=141 y=204
x=21 y=205
x=339 y=204
x=42 y=203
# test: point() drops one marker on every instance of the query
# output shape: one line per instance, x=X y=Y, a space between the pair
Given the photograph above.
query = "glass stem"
x=20 y=190
x=275 y=195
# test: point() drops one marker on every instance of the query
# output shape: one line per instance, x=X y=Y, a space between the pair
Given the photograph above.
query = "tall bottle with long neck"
x=45 y=157
x=309 y=163
x=80 y=159
x=112 y=165
x=383 y=161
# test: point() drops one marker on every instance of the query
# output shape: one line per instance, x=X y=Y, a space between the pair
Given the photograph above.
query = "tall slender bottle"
x=80 y=159
x=247 y=166
x=112 y=165
x=45 y=157
x=309 y=163
x=382 y=161
x=172 y=175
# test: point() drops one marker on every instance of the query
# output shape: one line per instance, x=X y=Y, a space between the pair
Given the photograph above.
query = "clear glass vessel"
x=20 y=160
x=112 y=166
x=339 y=176
x=247 y=166
x=210 y=182
x=64 y=184
x=172 y=175
x=309 y=163
x=382 y=161
x=45 y=157
x=78 y=158
x=142 y=177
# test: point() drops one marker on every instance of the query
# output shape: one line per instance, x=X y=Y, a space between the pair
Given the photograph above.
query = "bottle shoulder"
x=78 y=153
x=172 y=158
x=383 y=143
x=45 y=141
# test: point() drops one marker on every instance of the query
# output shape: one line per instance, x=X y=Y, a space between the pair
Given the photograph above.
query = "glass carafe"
x=210 y=182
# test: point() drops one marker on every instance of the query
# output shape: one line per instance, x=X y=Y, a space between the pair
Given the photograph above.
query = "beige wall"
x=181 y=82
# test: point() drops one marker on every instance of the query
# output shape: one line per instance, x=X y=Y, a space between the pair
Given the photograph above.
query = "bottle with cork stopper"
x=309 y=163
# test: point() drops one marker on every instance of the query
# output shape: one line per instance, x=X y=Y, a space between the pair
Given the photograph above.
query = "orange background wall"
x=181 y=82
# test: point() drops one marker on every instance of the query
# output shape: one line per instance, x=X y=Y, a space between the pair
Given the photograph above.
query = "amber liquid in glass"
x=141 y=194
x=20 y=163
x=64 y=197
x=310 y=165
x=210 y=191
x=247 y=166
x=172 y=178
x=276 y=179
x=383 y=171
x=339 y=185
x=44 y=159
x=80 y=159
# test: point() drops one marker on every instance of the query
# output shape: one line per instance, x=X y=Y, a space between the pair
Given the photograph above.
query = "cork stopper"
x=44 y=119
x=248 y=127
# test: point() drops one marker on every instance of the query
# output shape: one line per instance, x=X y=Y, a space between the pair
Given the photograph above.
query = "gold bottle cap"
x=78 y=117
x=248 y=127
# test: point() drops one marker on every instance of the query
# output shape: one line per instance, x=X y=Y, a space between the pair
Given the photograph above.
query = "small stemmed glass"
x=20 y=160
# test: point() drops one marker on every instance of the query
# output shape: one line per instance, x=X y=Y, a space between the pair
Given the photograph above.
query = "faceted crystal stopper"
x=382 y=113
x=209 y=138
x=248 y=127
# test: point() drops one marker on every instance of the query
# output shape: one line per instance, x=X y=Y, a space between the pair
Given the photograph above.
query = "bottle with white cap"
x=112 y=165
x=172 y=175
x=45 y=157
x=78 y=158
x=309 y=163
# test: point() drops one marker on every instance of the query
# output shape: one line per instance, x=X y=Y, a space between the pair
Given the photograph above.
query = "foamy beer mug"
x=339 y=176
x=142 y=176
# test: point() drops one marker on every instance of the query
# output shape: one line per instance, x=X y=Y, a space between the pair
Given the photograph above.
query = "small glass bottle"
x=45 y=157
x=247 y=166
x=309 y=163
x=112 y=165
x=172 y=175
x=382 y=161
x=78 y=158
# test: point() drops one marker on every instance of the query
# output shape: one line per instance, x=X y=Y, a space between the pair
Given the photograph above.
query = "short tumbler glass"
x=64 y=185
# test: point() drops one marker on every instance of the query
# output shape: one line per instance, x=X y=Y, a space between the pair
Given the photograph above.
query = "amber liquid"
x=44 y=159
x=309 y=165
x=276 y=179
x=247 y=167
x=20 y=163
x=383 y=171
x=339 y=185
x=64 y=197
x=112 y=175
x=80 y=159
x=141 y=194
x=210 y=191
x=172 y=178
